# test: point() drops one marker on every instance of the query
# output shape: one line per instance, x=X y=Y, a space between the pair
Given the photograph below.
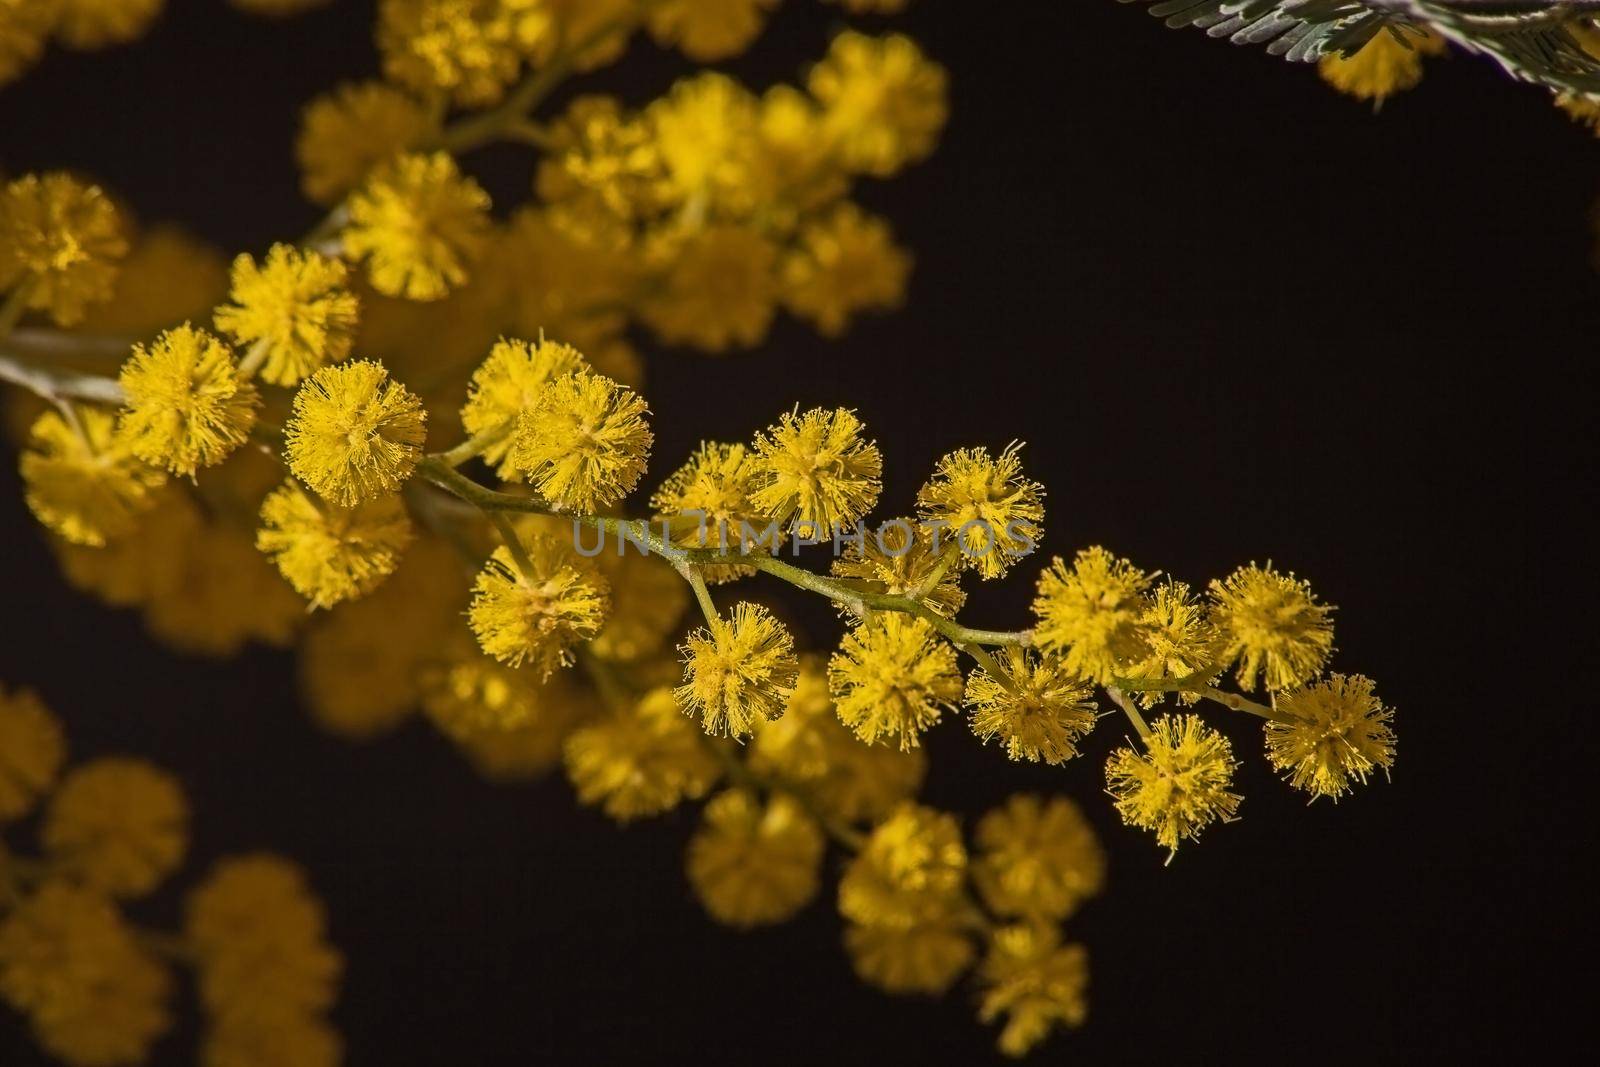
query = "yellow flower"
x=82 y=479
x=705 y=130
x=31 y=750
x=883 y=101
x=753 y=864
x=420 y=223
x=186 y=404
x=94 y=995
x=1331 y=732
x=118 y=825
x=815 y=471
x=62 y=238
x=170 y=276
x=899 y=557
x=1273 y=625
x=470 y=693
x=738 y=671
x=719 y=289
x=640 y=760
x=584 y=443
x=1037 y=858
x=647 y=599
x=1179 y=784
x=985 y=504
x=331 y=553
x=911 y=869
x=467 y=48
x=225 y=594
x=603 y=161
x=1035 y=982
x=796 y=169
x=843 y=263
x=809 y=746
x=891 y=676
x=1090 y=614
x=706 y=504
x=1180 y=640
x=925 y=958
x=24 y=25
x=1387 y=64
x=274 y=1038
x=90 y=24
x=355 y=435
x=509 y=382
x=346 y=133
x=259 y=941
x=708 y=30
x=1037 y=709
x=531 y=606
x=296 y=307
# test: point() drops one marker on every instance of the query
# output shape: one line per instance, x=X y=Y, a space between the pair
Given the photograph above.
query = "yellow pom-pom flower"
x=584 y=443
x=814 y=470
x=705 y=131
x=466 y=48
x=532 y=604
x=295 y=308
x=1331 y=732
x=63 y=240
x=1037 y=858
x=89 y=24
x=1035 y=982
x=1037 y=708
x=1179 y=784
x=169 y=276
x=1273 y=626
x=925 y=958
x=753 y=864
x=510 y=381
x=187 y=405
x=883 y=101
x=354 y=435
x=890 y=678
x=640 y=760
x=1181 y=643
x=31 y=750
x=738 y=671
x=985 y=504
x=420 y=224
x=350 y=131
x=912 y=868
x=1090 y=613
x=708 y=30
x=117 y=825
x=719 y=289
x=331 y=553
x=844 y=263
x=82 y=480
x=899 y=558
x=1389 y=63
x=706 y=504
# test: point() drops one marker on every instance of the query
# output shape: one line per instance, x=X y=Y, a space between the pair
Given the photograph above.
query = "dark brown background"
x=1234 y=315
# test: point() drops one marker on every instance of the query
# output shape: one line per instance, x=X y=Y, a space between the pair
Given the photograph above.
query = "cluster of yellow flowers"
x=97 y=988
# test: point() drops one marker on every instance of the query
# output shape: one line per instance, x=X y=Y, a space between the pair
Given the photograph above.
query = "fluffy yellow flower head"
x=584 y=443
x=912 y=868
x=1333 y=731
x=510 y=381
x=82 y=479
x=706 y=504
x=331 y=553
x=531 y=606
x=719 y=290
x=753 y=864
x=1181 y=642
x=602 y=160
x=31 y=750
x=187 y=405
x=63 y=239
x=883 y=101
x=1035 y=982
x=899 y=557
x=346 y=133
x=420 y=224
x=24 y=25
x=844 y=263
x=117 y=825
x=1090 y=613
x=272 y=1040
x=169 y=276
x=1389 y=63
x=91 y=24
x=640 y=760
x=925 y=958
x=986 y=505
x=259 y=941
x=296 y=306
x=467 y=48
x=708 y=30
x=705 y=130
x=891 y=676
x=1038 y=709
x=1037 y=858
x=1273 y=625
x=737 y=671
x=1179 y=784
x=796 y=170
x=69 y=961
x=814 y=470
x=354 y=435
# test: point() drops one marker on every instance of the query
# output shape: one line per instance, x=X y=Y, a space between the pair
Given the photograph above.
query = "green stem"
x=1120 y=699
x=254 y=358
x=697 y=582
x=508 y=534
x=1249 y=707
x=56 y=386
x=476 y=445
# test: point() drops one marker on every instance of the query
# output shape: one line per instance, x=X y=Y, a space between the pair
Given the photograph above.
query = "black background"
x=1235 y=315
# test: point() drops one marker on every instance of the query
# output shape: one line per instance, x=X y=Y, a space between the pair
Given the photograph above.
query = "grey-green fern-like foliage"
x=1530 y=41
